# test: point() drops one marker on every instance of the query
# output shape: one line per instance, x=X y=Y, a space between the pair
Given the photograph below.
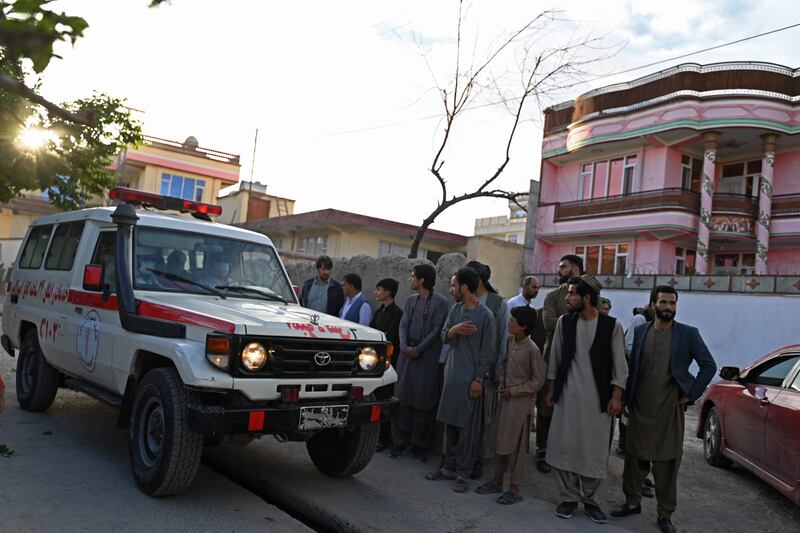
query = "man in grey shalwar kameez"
x=418 y=364
x=470 y=332
x=586 y=377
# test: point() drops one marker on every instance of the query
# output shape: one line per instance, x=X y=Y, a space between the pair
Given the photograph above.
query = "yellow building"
x=172 y=168
x=343 y=234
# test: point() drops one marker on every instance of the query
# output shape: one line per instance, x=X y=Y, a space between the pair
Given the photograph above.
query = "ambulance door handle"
x=79 y=310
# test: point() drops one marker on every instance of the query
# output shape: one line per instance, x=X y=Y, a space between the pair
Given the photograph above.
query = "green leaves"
x=29 y=31
x=71 y=165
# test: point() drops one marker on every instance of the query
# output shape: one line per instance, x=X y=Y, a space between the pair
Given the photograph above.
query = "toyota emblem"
x=322 y=358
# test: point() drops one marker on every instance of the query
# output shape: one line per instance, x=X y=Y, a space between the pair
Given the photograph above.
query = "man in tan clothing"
x=555 y=305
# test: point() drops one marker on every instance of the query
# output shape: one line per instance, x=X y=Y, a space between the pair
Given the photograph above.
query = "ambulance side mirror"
x=93 y=277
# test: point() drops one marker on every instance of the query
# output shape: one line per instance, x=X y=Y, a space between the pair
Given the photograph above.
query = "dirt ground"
x=709 y=499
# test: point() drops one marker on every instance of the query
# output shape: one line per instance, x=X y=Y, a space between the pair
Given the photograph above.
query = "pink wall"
x=787 y=173
x=783 y=261
x=672 y=170
x=651 y=257
x=546 y=256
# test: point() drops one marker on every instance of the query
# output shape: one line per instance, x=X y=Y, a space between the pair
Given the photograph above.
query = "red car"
x=752 y=418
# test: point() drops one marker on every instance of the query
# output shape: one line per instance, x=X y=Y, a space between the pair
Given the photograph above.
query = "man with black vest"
x=586 y=378
x=555 y=305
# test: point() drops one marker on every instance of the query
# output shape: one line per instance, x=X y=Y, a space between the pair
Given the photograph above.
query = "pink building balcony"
x=623 y=168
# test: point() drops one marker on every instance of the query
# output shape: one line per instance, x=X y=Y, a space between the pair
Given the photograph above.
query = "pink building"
x=692 y=170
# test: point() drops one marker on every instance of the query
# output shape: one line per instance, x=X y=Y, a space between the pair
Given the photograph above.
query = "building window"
x=610 y=177
x=182 y=187
x=512 y=237
x=684 y=261
x=740 y=178
x=608 y=259
x=735 y=264
x=317 y=245
x=691 y=173
x=391 y=248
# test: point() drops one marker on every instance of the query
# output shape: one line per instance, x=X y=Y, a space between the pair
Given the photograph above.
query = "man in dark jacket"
x=323 y=293
x=658 y=390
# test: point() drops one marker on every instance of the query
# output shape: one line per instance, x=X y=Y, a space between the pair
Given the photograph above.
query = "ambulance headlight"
x=368 y=359
x=254 y=356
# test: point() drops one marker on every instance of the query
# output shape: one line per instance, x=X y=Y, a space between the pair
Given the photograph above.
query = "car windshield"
x=181 y=261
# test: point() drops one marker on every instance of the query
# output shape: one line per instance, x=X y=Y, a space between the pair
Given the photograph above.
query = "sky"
x=344 y=94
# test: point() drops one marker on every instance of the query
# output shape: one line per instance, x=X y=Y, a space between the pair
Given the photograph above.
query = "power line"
x=597 y=78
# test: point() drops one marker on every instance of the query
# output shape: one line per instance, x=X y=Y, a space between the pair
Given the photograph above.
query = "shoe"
x=625 y=510
x=542 y=466
x=619 y=452
x=665 y=525
x=565 y=509
x=477 y=471
x=397 y=451
x=419 y=454
x=597 y=516
x=647 y=492
x=649 y=483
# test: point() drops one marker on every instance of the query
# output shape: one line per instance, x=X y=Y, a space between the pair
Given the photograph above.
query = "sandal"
x=460 y=485
x=489 y=488
x=509 y=498
x=438 y=475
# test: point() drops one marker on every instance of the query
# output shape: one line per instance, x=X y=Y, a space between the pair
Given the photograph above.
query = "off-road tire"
x=712 y=441
x=37 y=381
x=343 y=452
x=164 y=452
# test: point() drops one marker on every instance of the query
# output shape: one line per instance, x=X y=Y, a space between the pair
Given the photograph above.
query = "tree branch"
x=20 y=89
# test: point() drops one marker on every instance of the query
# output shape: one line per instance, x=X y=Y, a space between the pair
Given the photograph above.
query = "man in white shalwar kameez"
x=586 y=376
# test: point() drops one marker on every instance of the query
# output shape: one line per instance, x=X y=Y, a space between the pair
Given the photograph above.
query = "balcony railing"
x=637 y=202
x=786 y=205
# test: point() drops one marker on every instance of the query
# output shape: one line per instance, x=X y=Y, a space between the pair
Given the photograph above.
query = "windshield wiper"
x=240 y=288
x=176 y=277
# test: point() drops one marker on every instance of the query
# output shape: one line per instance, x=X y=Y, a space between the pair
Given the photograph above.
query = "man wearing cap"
x=586 y=377
x=555 y=305
x=488 y=296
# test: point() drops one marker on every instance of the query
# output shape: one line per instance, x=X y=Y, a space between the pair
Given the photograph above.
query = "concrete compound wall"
x=737 y=328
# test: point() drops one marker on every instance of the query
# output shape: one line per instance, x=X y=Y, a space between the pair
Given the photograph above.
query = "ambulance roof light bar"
x=132 y=196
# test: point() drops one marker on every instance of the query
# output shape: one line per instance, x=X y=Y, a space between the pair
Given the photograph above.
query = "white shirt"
x=518 y=301
x=364 y=314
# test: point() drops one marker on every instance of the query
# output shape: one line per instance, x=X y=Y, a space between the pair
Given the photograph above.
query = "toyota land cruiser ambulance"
x=192 y=329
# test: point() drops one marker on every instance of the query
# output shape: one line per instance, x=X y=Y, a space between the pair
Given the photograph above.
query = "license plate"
x=323 y=417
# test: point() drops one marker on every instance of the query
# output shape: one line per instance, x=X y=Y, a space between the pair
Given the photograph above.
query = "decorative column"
x=706 y=203
x=765 y=202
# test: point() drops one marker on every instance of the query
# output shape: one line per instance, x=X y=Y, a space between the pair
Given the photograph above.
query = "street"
x=73 y=463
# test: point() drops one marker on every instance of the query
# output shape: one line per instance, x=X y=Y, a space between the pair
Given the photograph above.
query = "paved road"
x=70 y=472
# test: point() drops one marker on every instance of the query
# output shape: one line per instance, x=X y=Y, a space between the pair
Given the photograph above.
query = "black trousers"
x=412 y=426
x=542 y=430
x=385 y=393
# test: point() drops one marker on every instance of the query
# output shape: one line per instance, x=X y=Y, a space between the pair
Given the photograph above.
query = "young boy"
x=519 y=376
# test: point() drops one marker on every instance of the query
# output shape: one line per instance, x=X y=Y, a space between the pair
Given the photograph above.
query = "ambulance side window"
x=105 y=254
x=33 y=253
x=66 y=239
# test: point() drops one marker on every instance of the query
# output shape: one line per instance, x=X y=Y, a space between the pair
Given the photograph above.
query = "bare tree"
x=543 y=70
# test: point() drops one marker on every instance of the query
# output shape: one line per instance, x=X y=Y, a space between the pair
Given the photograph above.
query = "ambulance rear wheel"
x=37 y=381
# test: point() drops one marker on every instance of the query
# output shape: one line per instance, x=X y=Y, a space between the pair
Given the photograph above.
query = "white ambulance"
x=193 y=330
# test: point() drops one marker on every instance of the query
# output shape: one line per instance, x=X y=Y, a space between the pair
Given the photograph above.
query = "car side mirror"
x=729 y=373
x=93 y=277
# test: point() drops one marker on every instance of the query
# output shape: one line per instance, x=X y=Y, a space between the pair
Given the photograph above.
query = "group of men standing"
x=450 y=358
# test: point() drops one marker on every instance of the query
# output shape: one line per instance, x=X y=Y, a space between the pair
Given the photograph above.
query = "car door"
x=95 y=318
x=783 y=431
x=745 y=419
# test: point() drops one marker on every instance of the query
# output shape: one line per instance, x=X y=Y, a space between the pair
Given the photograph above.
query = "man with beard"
x=322 y=293
x=659 y=388
x=555 y=305
x=586 y=376
x=418 y=364
x=470 y=332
